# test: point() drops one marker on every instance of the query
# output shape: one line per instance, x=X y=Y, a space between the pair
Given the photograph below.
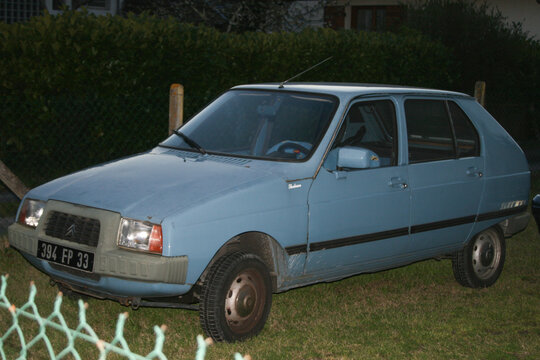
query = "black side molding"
x=296 y=249
x=353 y=240
x=501 y=213
x=443 y=224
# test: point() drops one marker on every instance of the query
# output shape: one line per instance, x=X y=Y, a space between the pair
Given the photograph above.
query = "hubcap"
x=244 y=303
x=486 y=255
x=245 y=300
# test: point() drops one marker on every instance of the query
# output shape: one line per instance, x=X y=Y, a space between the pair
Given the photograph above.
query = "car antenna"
x=303 y=72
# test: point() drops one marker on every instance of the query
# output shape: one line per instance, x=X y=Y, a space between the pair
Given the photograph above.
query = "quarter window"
x=466 y=135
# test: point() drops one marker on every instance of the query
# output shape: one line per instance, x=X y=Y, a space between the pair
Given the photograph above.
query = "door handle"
x=474 y=172
x=397 y=182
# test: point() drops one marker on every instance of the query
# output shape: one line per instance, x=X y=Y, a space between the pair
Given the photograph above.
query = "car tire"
x=236 y=298
x=480 y=262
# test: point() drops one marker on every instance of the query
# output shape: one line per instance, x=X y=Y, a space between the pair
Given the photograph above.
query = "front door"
x=359 y=217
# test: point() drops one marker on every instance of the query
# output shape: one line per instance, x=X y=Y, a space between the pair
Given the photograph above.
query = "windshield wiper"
x=190 y=142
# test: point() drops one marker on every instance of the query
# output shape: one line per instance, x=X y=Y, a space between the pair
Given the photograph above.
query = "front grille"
x=73 y=228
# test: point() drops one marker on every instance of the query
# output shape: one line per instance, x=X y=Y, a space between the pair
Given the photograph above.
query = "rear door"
x=445 y=174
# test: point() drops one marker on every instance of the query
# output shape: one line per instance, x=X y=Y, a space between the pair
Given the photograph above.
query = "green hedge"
x=79 y=52
x=77 y=89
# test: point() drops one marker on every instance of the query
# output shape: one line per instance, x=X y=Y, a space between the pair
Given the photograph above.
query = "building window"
x=99 y=4
x=76 y=4
x=12 y=11
x=376 y=18
x=334 y=17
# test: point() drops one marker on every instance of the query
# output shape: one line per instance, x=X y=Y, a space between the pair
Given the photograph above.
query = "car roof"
x=351 y=89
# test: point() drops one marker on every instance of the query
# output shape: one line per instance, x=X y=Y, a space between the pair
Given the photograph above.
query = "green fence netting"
x=83 y=332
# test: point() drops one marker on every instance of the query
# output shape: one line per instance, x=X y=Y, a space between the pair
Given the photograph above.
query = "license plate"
x=64 y=255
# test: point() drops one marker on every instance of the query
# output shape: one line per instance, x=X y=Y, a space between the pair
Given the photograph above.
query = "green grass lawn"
x=414 y=312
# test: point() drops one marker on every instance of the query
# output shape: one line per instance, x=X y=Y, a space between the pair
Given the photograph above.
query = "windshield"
x=263 y=124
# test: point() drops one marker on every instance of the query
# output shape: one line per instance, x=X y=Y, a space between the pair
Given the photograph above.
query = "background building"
x=382 y=15
x=22 y=10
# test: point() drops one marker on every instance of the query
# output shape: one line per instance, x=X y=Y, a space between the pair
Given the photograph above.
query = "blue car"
x=272 y=187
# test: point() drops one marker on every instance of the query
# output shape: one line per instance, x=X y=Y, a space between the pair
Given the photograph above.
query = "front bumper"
x=116 y=271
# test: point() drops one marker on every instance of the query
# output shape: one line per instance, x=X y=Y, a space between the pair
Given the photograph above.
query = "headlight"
x=140 y=235
x=31 y=212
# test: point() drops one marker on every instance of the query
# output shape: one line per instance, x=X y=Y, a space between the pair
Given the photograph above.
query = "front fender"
x=271 y=207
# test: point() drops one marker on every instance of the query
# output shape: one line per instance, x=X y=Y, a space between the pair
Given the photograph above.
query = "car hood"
x=152 y=186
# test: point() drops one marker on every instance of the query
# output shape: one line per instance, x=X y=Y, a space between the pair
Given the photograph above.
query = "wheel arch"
x=260 y=244
x=499 y=227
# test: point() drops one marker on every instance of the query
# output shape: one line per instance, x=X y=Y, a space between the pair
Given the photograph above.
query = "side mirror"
x=357 y=158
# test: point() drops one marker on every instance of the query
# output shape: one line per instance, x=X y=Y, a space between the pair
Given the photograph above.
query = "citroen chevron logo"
x=70 y=231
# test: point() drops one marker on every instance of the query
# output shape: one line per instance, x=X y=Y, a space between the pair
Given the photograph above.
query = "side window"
x=371 y=125
x=429 y=130
x=467 y=140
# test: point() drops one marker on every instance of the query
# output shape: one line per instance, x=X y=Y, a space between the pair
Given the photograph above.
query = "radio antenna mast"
x=303 y=72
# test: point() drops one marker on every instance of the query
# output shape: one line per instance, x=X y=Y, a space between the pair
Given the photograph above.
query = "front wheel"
x=236 y=298
x=481 y=261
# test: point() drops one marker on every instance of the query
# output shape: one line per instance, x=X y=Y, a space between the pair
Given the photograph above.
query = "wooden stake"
x=12 y=182
x=176 y=107
x=480 y=92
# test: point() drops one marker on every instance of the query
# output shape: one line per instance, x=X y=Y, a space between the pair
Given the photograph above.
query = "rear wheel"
x=236 y=298
x=481 y=261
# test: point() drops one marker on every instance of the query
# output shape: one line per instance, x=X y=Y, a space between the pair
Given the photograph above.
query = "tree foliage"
x=232 y=16
x=484 y=45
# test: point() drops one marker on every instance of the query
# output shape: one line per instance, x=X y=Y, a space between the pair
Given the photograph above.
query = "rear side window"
x=438 y=130
x=429 y=131
x=466 y=135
